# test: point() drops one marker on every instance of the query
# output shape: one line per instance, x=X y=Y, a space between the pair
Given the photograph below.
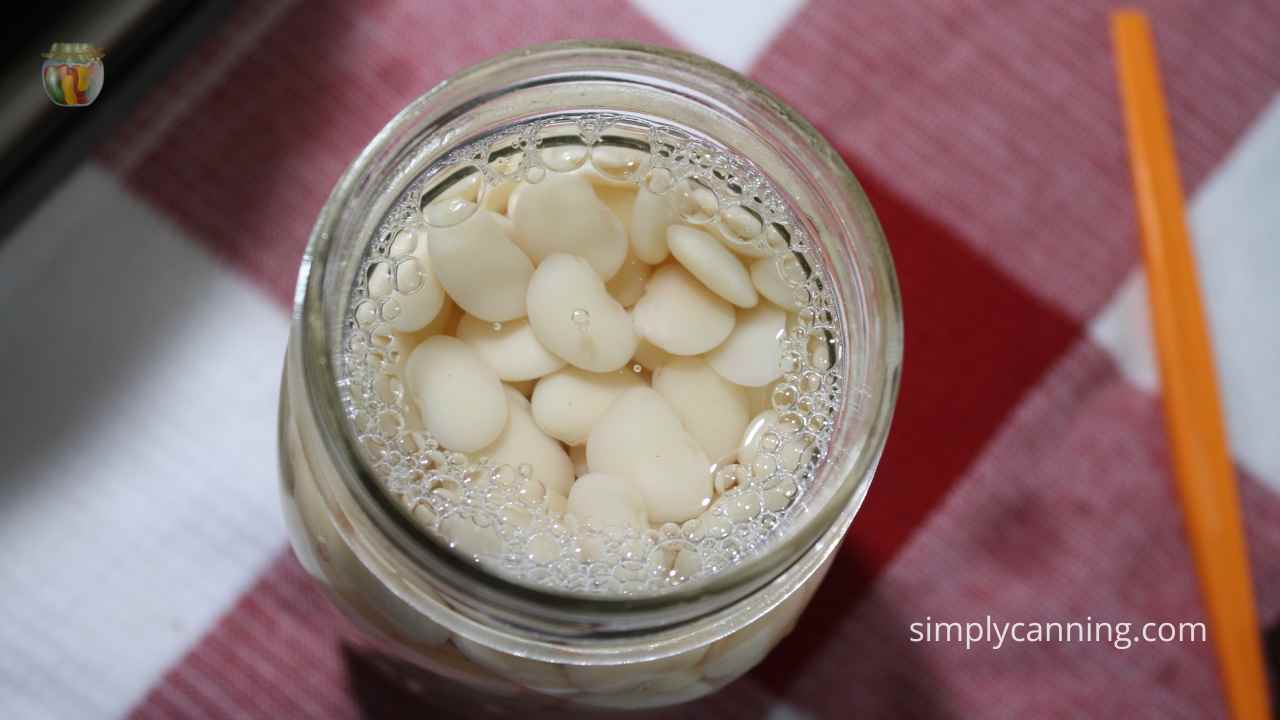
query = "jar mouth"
x=74 y=52
x=356 y=205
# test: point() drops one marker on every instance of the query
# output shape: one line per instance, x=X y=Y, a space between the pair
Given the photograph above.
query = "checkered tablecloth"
x=144 y=568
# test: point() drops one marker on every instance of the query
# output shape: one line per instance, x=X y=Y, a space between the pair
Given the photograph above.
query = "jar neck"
x=708 y=100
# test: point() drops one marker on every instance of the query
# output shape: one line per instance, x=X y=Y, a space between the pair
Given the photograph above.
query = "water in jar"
x=594 y=353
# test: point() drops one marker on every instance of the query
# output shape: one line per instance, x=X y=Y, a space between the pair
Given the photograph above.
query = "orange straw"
x=1193 y=418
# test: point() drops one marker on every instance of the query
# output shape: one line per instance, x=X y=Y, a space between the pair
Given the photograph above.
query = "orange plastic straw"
x=1193 y=418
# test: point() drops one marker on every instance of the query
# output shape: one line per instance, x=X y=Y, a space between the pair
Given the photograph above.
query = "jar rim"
x=523 y=605
x=74 y=51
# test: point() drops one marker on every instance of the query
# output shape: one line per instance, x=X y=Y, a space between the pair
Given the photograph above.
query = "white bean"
x=603 y=501
x=749 y=448
x=738 y=506
x=769 y=281
x=460 y=398
x=455 y=203
x=650 y=217
x=687 y=563
x=393 y=615
x=650 y=356
x=460 y=529
x=667 y=689
x=752 y=355
x=742 y=650
x=410 y=286
x=615 y=166
x=615 y=678
x=512 y=350
x=508 y=227
x=761 y=398
x=732 y=507
x=556 y=503
x=481 y=269
x=628 y=285
x=495 y=198
x=574 y=317
x=409 y=625
x=678 y=314
x=444 y=323
x=712 y=263
x=522 y=441
x=327 y=554
x=712 y=409
x=737 y=223
x=528 y=672
x=640 y=438
x=562 y=214
x=621 y=201
x=568 y=402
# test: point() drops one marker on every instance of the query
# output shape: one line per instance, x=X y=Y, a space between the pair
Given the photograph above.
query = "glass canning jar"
x=73 y=74
x=413 y=598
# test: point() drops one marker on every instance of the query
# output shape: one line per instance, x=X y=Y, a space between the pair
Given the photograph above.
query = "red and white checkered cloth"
x=145 y=569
